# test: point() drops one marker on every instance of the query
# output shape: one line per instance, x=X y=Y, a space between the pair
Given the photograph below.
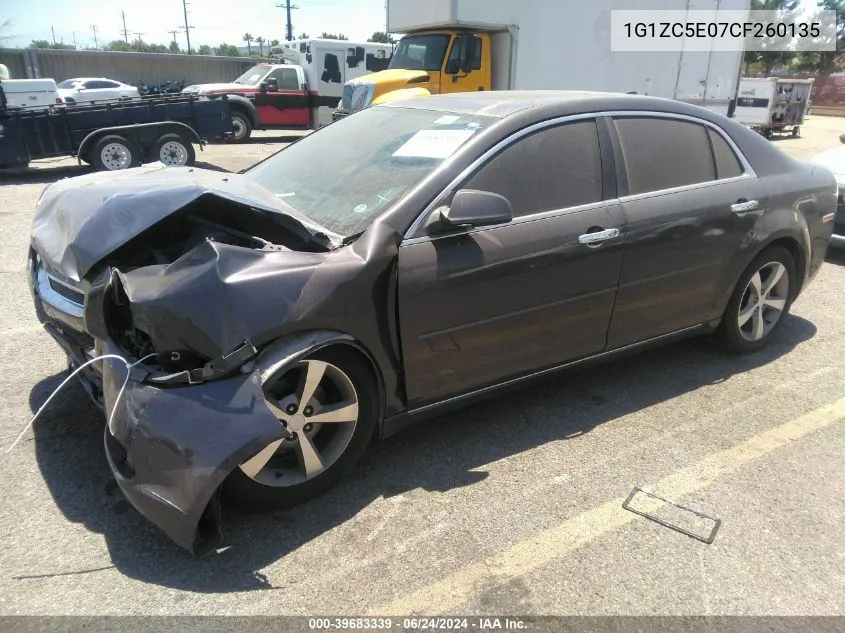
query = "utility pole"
x=173 y=33
x=187 y=26
x=74 y=39
x=139 y=39
x=96 y=43
x=125 y=31
x=54 y=35
x=289 y=7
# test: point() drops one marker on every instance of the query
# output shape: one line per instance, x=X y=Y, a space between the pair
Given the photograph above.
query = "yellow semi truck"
x=469 y=45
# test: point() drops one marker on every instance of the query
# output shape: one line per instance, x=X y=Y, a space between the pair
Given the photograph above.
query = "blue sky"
x=215 y=21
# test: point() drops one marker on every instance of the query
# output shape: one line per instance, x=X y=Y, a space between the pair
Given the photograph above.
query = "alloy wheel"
x=763 y=301
x=318 y=405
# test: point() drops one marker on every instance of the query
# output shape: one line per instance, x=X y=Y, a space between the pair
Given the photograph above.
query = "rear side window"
x=664 y=153
x=727 y=164
x=553 y=168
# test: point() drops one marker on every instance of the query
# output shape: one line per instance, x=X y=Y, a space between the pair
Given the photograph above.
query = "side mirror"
x=842 y=138
x=471 y=207
x=271 y=84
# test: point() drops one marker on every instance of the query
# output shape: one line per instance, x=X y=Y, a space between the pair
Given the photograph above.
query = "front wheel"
x=760 y=301
x=328 y=403
x=241 y=127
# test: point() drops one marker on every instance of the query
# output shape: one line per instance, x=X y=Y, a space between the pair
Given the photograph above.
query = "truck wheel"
x=112 y=153
x=796 y=131
x=242 y=127
x=174 y=149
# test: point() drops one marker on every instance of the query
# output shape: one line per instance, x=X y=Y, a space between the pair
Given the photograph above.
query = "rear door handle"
x=598 y=236
x=744 y=206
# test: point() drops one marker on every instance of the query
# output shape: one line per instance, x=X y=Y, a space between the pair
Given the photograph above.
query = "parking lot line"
x=549 y=545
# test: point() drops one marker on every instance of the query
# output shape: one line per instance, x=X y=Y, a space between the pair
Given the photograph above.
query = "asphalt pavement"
x=512 y=506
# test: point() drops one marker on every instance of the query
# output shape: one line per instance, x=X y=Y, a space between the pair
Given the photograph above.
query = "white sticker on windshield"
x=447 y=119
x=433 y=143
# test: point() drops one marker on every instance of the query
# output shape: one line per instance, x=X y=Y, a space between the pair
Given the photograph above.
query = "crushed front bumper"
x=171 y=448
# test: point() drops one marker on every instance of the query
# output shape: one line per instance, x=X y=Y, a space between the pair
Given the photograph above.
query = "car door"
x=288 y=104
x=692 y=201
x=470 y=78
x=478 y=306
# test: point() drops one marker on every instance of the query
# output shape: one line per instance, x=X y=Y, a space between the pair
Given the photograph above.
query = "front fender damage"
x=171 y=449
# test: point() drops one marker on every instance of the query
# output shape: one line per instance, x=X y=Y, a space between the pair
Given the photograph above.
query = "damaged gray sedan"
x=411 y=257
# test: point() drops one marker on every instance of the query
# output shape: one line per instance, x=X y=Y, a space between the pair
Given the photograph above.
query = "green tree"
x=247 y=37
x=260 y=41
x=228 y=50
x=50 y=45
x=826 y=62
x=119 y=45
x=381 y=37
x=304 y=36
x=332 y=36
x=204 y=49
x=765 y=60
x=274 y=43
x=174 y=47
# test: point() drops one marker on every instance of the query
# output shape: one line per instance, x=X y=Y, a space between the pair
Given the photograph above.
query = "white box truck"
x=468 y=45
x=773 y=104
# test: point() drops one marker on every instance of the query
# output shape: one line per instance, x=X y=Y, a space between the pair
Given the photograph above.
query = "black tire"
x=248 y=494
x=242 y=126
x=102 y=163
x=796 y=131
x=174 y=145
x=729 y=330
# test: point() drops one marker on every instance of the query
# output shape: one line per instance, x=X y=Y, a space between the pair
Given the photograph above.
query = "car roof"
x=503 y=103
x=93 y=79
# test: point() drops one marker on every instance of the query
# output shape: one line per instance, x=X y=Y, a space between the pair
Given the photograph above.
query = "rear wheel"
x=760 y=301
x=328 y=403
x=113 y=153
x=241 y=127
x=174 y=149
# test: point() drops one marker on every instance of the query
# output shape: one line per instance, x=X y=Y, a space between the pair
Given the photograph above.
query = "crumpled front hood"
x=79 y=221
x=215 y=88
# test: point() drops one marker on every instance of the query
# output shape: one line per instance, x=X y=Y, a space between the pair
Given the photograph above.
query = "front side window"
x=420 y=52
x=664 y=153
x=554 y=168
x=286 y=78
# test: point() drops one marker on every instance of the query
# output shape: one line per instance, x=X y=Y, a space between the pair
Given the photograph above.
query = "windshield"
x=69 y=83
x=348 y=173
x=420 y=52
x=252 y=76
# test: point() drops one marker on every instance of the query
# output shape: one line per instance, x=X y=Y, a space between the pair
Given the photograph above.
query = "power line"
x=125 y=31
x=289 y=7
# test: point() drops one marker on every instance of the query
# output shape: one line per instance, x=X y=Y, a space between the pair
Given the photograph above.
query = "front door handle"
x=744 y=206
x=598 y=236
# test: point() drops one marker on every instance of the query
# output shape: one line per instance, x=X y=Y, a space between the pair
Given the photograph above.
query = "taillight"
x=59 y=100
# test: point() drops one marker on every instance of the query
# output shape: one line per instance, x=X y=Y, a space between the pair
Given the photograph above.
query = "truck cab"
x=427 y=62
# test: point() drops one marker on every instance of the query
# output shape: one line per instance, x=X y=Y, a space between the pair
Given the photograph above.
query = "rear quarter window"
x=727 y=164
x=664 y=153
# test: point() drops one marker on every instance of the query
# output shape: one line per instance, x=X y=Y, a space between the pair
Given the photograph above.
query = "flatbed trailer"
x=112 y=135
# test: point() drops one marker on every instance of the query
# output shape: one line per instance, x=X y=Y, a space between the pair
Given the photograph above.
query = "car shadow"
x=437 y=455
x=42 y=175
x=835 y=256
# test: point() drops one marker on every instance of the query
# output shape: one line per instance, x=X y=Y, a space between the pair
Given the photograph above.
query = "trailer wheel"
x=241 y=126
x=112 y=153
x=796 y=131
x=174 y=149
